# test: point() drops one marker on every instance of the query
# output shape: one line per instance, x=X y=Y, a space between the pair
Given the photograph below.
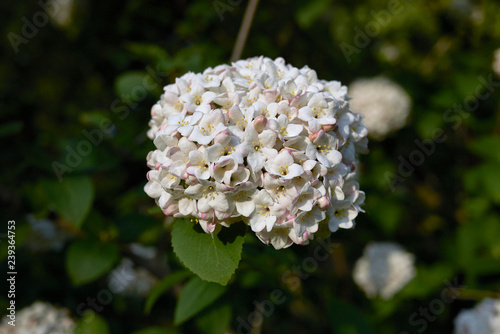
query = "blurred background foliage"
x=76 y=78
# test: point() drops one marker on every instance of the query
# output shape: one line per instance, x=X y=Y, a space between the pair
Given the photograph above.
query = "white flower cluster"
x=384 y=269
x=496 y=62
x=45 y=235
x=483 y=319
x=128 y=280
x=385 y=104
x=39 y=318
x=259 y=141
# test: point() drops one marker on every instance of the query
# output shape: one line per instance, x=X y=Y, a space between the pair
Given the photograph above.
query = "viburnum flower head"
x=384 y=269
x=384 y=103
x=482 y=319
x=39 y=318
x=258 y=141
x=496 y=62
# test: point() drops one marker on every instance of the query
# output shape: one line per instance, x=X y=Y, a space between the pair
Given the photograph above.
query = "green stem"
x=244 y=29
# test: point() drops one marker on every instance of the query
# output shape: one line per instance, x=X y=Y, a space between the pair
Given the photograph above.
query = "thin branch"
x=245 y=27
x=257 y=322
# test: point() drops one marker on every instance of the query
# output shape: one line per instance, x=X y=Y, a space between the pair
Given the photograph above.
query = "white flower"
x=45 y=235
x=482 y=319
x=64 y=14
x=243 y=200
x=197 y=99
x=496 y=62
x=210 y=125
x=259 y=141
x=324 y=148
x=341 y=214
x=282 y=192
x=258 y=147
x=306 y=198
x=181 y=123
x=384 y=269
x=385 y=104
x=284 y=166
x=284 y=128
x=308 y=221
x=39 y=318
x=128 y=280
x=318 y=112
x=210 y=196
x=279 y=236
x=266 y=212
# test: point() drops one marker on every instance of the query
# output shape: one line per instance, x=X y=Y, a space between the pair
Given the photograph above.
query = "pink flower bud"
x=313 y=136
x=260 y=123
x=223 y=215
x=171 y=210
x=324 y=203
x=287 y=149
x=210 y=227
x=329 y=127
x=191 y=179
x=221 y=138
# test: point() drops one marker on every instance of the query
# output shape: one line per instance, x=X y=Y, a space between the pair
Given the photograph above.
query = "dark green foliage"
x=74 y=113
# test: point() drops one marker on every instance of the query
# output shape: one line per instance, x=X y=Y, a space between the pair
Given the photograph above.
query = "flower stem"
x=245 y=27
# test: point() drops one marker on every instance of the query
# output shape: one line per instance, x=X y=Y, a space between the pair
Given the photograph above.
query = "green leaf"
x=166 y=283
x=427 y=281
x=491 y=180
x=134 y=226
x=71 y=198
x=133 y=86
x=87 y=260
x=387 y=213
x=91 y=323
x=428 y=122
x=465 y=83
x=310 y=13
x=196 y=295
x=486 y=147
x=149 y=52
x=485 y=180
x=156 y=330
x=11 y=128
x=485 y=266
x=347 y=319
x=213 y=258
x=215 y=320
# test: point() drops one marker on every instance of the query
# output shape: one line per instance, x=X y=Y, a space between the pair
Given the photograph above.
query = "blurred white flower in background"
x=390 y=52
x=462 y=6
x=45 y=235
x=496 y=62
x=482 y=319
x=39 y=318
x=384 y=269
x=467 y=10
x=127 y=279
x=62 y=12
x=384 y=104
